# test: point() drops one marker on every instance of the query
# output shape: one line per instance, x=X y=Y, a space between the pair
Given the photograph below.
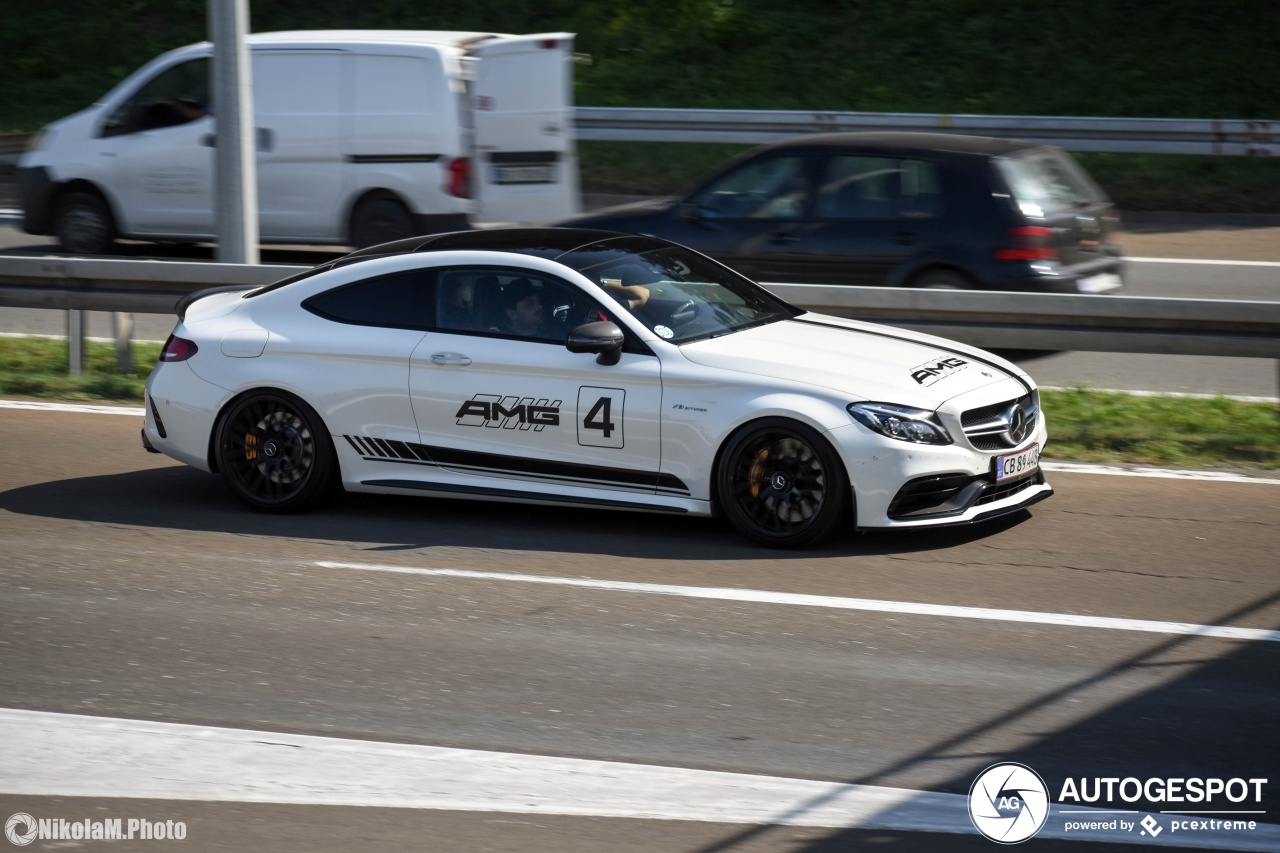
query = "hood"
x=863 y=361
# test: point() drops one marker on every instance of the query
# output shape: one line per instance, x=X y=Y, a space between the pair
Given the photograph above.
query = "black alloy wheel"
x=275 y=453
x=782 y=485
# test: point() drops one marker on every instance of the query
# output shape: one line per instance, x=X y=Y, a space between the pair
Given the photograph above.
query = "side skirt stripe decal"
x=509 y=493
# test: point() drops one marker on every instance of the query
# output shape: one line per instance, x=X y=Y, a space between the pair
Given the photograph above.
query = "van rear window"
x=1046 y=182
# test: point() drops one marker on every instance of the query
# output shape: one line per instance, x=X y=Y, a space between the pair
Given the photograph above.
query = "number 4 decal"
x=600 y=416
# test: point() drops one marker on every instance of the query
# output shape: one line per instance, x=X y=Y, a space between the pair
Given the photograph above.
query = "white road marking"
x=72 y=407
x=1158 y=473
x=756 y=596
x=68 y=755
x=1177 y=395
x=1204 y=261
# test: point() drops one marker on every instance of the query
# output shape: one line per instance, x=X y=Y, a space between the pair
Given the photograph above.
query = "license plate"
x=1017 y=465
x=524 y=174
x=1100 y=283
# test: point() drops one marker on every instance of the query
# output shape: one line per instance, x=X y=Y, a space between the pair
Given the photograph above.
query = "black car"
x=898 y=209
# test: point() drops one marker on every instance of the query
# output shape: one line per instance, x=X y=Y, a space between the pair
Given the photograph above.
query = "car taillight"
x=178 y=349
x=459 y=178
x=1029 y=243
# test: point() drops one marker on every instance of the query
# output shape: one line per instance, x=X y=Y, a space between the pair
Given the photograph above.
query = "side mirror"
x=603 y=338
x=688 y=211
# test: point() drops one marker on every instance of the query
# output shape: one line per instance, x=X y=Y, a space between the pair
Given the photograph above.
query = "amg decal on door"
x=495 y=411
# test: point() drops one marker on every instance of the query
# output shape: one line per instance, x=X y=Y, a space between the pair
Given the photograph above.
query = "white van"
x=362 y=137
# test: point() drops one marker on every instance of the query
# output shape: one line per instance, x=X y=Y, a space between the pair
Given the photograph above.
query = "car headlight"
x=901 y=422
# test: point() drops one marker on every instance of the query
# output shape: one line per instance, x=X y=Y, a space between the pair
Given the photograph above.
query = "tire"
x=83 y=223
x=274 y=452
x=380 y=220
x=941 y=280
x=782 y=485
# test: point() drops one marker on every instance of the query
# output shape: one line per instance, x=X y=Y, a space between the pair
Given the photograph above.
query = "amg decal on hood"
x=931 y=371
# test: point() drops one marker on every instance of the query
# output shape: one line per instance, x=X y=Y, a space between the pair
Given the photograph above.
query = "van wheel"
x=782 y=485
x=380 y=220
x=941 y=280
x=83 y=224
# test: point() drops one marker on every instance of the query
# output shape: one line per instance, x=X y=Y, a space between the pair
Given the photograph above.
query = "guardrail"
x=1126 y=324
x=1224 y=137
x=1229 y=137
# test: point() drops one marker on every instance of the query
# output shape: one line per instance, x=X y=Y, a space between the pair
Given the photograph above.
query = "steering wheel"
x=685 y=313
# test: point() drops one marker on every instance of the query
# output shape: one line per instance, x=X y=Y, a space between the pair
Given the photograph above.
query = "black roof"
x=548 y=243
x=952 y=143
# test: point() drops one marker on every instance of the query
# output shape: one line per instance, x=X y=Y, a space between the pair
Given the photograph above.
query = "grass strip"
x=1085 y=425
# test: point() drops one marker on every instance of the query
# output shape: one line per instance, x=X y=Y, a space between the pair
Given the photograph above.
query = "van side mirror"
x=603 y=338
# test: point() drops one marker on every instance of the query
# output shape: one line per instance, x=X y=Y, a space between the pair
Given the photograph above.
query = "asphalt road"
x=137 y=589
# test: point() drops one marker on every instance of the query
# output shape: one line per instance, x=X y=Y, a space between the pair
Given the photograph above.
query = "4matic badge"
x=493 y=410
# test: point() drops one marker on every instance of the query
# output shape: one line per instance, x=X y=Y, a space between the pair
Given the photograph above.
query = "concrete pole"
x=235 y=167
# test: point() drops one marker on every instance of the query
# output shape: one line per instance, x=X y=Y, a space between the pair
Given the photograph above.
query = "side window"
x=173 y=97
x=512 y=303
x=400 y=301
x=773 y=188
x=856 y=187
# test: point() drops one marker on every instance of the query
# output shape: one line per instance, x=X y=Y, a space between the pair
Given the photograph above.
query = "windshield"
x=678 y=294
x=1048 y=182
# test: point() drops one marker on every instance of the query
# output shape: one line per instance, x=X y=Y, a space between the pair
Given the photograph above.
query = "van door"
x=297 y=107
x=526 y=162
x=159 y=140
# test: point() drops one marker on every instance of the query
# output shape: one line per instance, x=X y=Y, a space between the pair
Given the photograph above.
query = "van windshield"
x=1045 y=182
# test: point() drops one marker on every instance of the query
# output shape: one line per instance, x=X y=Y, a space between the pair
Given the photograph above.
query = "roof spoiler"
x=186 y=302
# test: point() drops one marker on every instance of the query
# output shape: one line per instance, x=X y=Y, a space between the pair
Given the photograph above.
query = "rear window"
x=1047 y=182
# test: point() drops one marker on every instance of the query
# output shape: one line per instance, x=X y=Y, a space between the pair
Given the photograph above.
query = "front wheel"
x=274 y=452
x=83 y=224
x=782 y=485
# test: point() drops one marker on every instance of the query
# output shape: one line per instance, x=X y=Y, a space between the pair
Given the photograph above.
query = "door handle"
x=904 y=238
x=445 y=358
x=781 y=238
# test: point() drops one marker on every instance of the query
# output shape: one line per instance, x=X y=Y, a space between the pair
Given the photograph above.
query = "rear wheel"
x=83 y=224
x=274 y=452
x=380 y=220
x=781 y=484
x=941 y=280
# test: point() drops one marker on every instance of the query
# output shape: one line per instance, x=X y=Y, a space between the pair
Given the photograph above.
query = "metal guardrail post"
x=75 y=341
x=122 y=327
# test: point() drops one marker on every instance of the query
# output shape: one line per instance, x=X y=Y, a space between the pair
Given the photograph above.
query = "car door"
x=507 y=403
x=871 y=215
x=749 y=216
x=158 y=141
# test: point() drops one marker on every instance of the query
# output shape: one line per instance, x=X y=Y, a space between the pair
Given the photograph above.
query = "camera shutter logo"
x=21 y=829
x=1008 y=803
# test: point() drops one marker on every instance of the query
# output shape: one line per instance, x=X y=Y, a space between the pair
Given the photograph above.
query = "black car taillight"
x=178 y=349
x=459 y=178
x=1029 y=243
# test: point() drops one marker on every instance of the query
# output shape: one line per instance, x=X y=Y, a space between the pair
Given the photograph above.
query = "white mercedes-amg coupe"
x=593 y=369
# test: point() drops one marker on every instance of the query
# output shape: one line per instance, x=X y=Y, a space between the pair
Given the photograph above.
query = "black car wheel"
x=941 y=280
x=275 y=453
x=83 y=224
x=380 y=220
x=781 y=484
